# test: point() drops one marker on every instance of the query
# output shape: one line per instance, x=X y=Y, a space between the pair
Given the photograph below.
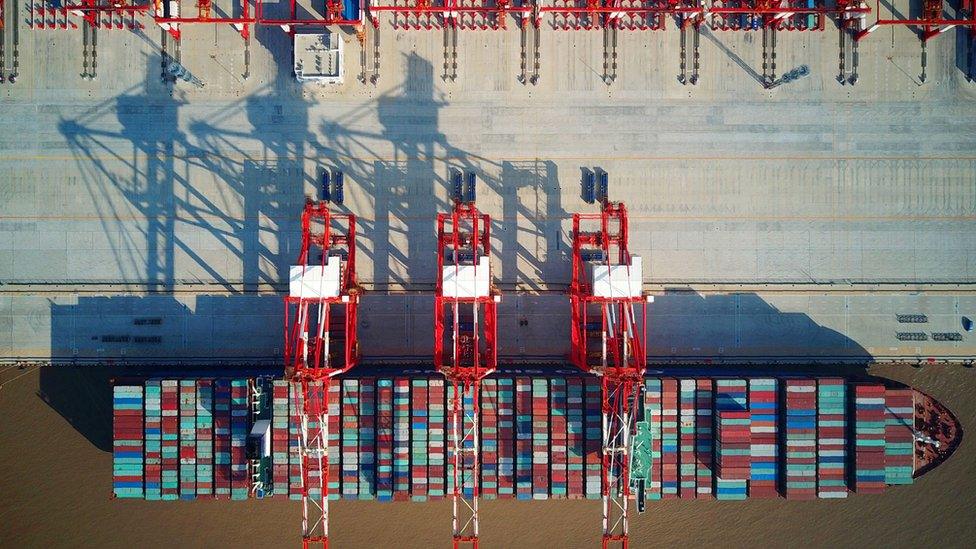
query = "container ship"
x=462 y=428
x=539 y=437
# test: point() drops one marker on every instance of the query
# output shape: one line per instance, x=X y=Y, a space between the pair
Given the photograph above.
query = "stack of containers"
x=222 y=449
x=763 y=442
x=205 y=447
x=669 y=438
x=732 y=437
x=831 y=441
x=384 y=440
x=869 y=443
x=523 y=438
x=557 y=427
x=367 y=438
x=128 y=445
x=489 y=438
x=899 y=436
x=154 y=438
x=801 y=439
x=574 y=437
x=188 y=439
x=470 y=476
x=540 y=438
x=350 y=438
x=335 y=438
x=239 y=414
x=401 y=439
x=703 y=437
x=437 y=455
x=169 y=473
x=652 y=414
x=279 y=436
x=294 y=444
x=419 y=431
x=686 y=440
x=593 y=426
x=506 y=437
x=316 y=396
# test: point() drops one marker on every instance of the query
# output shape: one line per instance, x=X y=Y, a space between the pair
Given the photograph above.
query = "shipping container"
x=669 y=438
x=732 y=439
x=869 y=438
x=222 y=438
x=384 y=439
x=349 y=441
x=899 y=436
x=334 y=388
x=575 y=438
x=188 y=440
x=154 y=440
x=419 y=432
x=240 y=415
x=438 y=451
x=489 y=438
x=801 y=439
x=558 y=458
x=506 y=437
x=204 y=438
x=704 y=437
x=402 y=428
x=764 y=447
x=367 y=439
x=593 y=426
x=539 y=438
x=128 y=452
x=831 y=438
x=279 y=436
x=169 y=473
x=652 y=411
x=523 y=438
x=687 y=469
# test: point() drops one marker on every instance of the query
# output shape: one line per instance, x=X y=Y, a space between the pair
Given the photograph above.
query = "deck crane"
x=320 y=343
x=609 y=319
x=464 y=344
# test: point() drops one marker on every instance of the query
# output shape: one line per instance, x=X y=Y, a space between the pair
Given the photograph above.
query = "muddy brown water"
x=55 y=486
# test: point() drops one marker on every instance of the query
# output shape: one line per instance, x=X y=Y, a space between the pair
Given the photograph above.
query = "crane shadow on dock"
x=743 y=329
x=406 y=180
x=105 y=338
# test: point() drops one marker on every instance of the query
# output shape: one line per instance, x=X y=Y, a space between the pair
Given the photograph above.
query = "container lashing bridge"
x=320 y=343
x=608 y=339
x=465 y=302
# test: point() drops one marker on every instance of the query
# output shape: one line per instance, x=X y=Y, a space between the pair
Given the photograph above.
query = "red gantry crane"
x=464 y=346
x=609 y=320
x=320 y=343
x=449 y=16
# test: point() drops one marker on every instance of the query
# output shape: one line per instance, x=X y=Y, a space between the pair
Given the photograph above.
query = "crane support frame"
x=608 y=339
x=439 y=14
x=312 y=322
x=932 y=22
x=464 y=249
